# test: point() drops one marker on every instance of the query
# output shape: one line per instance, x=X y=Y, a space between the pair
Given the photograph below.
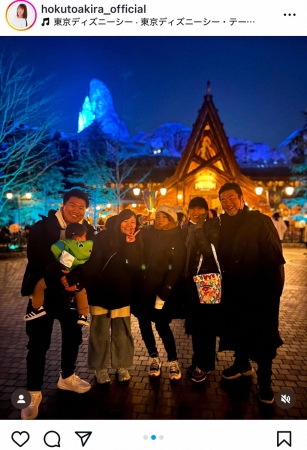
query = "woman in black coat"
x=108 y=277
x=164 y=255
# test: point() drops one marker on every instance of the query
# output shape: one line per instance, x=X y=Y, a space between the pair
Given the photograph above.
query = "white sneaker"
x=73 y=383
x=31 y=412
x=82 y=320
x=35 y=313
x=154 y=369
x=174 y=371
x=102 y=376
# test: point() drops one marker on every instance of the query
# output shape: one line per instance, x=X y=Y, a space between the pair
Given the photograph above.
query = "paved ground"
x=141 y=398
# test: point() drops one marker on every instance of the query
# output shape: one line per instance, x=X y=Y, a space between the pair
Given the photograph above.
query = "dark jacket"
x=41 y=261
x=250 y=255
x=109 y=274
x=163 y=262
x=198 y=243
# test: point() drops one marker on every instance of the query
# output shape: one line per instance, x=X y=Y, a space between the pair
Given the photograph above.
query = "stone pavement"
x=142 y=398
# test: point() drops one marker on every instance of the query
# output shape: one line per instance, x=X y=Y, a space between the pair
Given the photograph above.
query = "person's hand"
x=145 y=219
x=131 y=237
x=201 y=221
x=65 y=283
x=159 y=303
x=71 y=288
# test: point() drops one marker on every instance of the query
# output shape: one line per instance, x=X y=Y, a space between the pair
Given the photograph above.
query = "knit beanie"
x=167 y=210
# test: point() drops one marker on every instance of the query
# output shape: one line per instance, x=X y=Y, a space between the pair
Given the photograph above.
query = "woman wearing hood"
x=164 y=255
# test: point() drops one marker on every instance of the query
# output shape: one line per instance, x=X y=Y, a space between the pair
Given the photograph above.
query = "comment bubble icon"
x=52 y=439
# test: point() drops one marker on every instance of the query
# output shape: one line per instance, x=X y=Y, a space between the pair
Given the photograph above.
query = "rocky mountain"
x=169 y=139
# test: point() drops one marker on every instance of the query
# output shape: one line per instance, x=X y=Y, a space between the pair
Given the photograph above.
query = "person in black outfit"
x=250 y=255
x=108 y=277
x=164 y=256
x=202 y=320
x=42 y=264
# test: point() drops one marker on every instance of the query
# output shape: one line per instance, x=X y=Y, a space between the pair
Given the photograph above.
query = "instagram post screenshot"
x=153 y=224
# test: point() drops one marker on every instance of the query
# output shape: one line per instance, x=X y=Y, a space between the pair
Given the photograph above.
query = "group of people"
x=14 y=234
x=147 y=271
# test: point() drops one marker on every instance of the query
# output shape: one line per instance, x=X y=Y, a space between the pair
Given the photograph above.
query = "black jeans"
x=204 y=329
x=39 y=332
x=161 y=319
x=264 y=371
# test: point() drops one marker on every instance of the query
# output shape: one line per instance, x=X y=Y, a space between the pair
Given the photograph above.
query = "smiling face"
x=128 y=226
x=74 y=210
x=231 y=202
x=196 y=213
x=20 y=12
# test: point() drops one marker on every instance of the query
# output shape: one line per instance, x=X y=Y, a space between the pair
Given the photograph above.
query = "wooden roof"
x=208 y=161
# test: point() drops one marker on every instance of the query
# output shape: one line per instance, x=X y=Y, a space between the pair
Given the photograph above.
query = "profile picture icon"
x=21 y=15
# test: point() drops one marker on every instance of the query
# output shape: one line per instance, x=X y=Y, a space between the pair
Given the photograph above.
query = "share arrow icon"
x=84 y=436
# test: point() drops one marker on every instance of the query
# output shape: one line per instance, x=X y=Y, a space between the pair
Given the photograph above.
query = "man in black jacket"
x=250 y=255
x=42 y=264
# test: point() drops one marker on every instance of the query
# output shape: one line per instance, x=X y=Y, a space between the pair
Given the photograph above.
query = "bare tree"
x=91 y=174
x=102 y=167
x=122 y=169
x=26 y=150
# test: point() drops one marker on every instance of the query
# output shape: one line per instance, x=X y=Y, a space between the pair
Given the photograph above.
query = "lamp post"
x=259 y=190
x=136 y=191
x=274 y=194
x=289 y=190
x=26 y=196
x=149 y=195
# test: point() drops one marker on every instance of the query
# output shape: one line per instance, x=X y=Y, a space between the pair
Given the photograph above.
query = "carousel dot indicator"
x=161 y=437
x=153 y=437
x=145 y=437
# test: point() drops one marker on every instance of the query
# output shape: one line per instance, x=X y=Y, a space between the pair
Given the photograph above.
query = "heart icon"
x=20 y=438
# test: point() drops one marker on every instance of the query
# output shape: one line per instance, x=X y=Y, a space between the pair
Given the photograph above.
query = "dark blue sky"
x=259 y=84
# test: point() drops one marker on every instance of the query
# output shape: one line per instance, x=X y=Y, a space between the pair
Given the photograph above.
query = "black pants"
x=161 y=319
x=39 y=332
x=264 y=371
x=204 y=329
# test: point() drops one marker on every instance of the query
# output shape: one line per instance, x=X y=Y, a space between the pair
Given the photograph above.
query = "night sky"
x=259 y=84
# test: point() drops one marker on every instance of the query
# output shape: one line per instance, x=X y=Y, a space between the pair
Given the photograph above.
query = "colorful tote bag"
x=209 y=285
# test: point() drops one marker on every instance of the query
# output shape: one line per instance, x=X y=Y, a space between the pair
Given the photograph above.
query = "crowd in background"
x=14 y=234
